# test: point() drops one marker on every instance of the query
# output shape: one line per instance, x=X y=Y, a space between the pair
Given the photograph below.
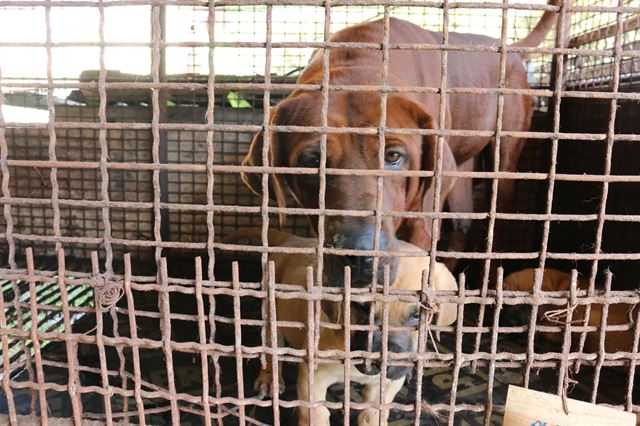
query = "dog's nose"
x=361 y=266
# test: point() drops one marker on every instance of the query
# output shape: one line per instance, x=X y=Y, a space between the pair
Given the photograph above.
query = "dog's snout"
x=398 y=342
x=358 y=235
x=361 y=265
x=358 y=263
x=362 y=239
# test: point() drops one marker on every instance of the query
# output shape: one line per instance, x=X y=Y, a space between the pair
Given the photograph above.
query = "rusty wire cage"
x=122 y=130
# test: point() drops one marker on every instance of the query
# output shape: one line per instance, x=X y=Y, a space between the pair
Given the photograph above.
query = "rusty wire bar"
x=35 y=339
x=493 y=206
x=459 y=358
x=104 y=374
x=6 y=365
x=238 y=349
x=202 y=337
x=74 y=385
x=494 y=346
x=52 y=131
x=137 y=382
x=165 y=325
x=104 y=149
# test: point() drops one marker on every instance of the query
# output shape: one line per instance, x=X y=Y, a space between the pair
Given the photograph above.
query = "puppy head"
x=402 y=314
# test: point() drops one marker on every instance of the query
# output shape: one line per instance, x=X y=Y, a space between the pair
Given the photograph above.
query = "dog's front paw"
x=263 y=385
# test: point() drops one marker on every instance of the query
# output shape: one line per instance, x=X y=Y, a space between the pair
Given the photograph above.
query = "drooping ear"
x=446 y=182
x=445 y=281
x=424 y=199
x=277 y=186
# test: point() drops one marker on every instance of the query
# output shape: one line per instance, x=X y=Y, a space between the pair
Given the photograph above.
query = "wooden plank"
x=527 y=407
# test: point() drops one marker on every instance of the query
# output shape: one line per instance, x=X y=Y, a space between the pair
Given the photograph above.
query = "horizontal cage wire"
x=308 y=212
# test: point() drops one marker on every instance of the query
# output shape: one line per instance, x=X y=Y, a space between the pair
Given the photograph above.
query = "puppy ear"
x=445 y=281
x=277 y=182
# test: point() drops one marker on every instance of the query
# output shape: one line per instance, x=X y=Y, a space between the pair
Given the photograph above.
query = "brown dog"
x=292 y=269
x=554 y=280
x=406 y=68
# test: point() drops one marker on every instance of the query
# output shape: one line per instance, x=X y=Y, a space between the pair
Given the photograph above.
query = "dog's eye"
x=414 y=319
x=309 y=159
x=394 y=157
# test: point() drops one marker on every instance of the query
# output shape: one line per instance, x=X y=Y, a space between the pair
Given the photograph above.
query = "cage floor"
x=472 y=386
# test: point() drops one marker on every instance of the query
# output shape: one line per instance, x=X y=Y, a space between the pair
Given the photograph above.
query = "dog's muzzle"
x=398 y=343
x=361 y=265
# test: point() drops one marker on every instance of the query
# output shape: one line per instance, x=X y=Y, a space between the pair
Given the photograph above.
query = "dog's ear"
x=277 y=182
x=418 y=114
x=445 y=281
x=446 y=182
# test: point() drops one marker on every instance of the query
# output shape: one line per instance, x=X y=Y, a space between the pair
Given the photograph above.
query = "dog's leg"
x=263 y=385
x=373 y=416
x=324 y=376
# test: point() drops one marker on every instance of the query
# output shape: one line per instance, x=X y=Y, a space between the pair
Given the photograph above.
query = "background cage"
x=105 y=156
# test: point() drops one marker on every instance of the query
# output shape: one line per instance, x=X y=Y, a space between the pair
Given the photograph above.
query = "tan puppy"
x=292 y=269
x=554 y=280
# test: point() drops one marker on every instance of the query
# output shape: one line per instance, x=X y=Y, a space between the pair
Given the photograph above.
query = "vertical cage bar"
x=6 y=192
x=440 y=141
x=322 y=178
x=494 y=347
x=346 y=323
x=311 y=346
x=156 y=60
x=214 y=354
x=384 y=349
x=458 y=356
x=165 y=326
x=202 y=340
x=6 y=367
x=51 y=127
x=426 y=320
x=494 y=182
x=266 y=146
x=35 y=338
x=603 y=333
x=531 y=329
x=382 y=129
x=163 y=97
x=20 y=321
x=210 y=117
x=273 y=338
x=104 y=148
x=135 y=350
x=237 y=344
x=74 y=385
x=95 y=266
x=564 y=363
x=124 y=378
x=210 y=138
x=322 y=167
x=611 y=131
x=557 y=79
x=633 y=362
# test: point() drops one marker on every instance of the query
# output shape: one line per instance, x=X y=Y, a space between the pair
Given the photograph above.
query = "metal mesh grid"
x=138 y=178
x=597 y=31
